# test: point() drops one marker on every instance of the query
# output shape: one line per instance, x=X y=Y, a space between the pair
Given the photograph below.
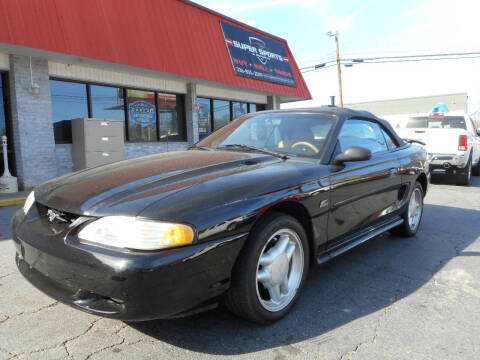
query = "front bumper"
x=119 y=284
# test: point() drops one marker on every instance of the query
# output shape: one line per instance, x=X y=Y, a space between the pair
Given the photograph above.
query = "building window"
x=255 y=107
x=107 y=102
x=238 y=109
x=150 y=116
x=142 y=118
x=204 y=117
x=170 y=116
x=69 y=101
x=221 y=113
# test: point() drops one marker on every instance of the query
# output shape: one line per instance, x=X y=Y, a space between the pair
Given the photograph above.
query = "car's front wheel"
x=270 y=271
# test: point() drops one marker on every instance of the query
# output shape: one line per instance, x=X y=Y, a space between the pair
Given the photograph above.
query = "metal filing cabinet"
x=97 y=142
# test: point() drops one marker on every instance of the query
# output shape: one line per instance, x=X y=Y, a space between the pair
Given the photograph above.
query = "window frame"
x=87 y=91
x=127 y=118
x=179 y=98
x=89 y=94
x=212 y=112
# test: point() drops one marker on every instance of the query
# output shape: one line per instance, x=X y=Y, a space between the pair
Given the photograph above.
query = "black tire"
x=243 y=297
x=463 y=176
x=405 y=229
x=476 y=169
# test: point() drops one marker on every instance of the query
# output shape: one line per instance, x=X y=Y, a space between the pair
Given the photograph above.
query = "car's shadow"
x=360 y=282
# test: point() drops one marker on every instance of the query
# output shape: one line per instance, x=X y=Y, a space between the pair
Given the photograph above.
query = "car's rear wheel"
x=463 y=177
x=412 y=216
x=271 y=270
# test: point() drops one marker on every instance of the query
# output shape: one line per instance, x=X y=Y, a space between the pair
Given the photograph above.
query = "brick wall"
x=132 y=150
x=33 y=140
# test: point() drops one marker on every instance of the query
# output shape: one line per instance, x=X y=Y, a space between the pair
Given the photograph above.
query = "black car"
x=237 y=219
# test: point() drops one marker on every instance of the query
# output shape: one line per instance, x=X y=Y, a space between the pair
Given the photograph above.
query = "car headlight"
x=132 y=233
x=29 y=202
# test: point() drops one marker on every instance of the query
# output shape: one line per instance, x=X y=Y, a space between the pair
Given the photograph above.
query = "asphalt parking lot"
x=391 y=298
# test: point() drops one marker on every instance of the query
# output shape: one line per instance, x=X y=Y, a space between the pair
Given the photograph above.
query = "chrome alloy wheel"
x=415 y=207
x=279 y=270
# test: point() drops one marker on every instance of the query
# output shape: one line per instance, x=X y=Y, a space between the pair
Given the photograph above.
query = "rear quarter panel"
x=413 y=163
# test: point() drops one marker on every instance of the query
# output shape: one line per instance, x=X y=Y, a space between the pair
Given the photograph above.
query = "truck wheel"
x=476 y=169
x=463 y=177
x=412 y=216
x=271 y=270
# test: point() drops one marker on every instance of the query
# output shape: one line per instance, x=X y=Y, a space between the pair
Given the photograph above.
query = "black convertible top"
x=342 y=113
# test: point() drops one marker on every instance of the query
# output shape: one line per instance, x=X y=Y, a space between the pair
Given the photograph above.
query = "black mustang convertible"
x=237 y=219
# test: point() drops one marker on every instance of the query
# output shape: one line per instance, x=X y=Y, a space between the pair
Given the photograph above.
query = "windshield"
x=439 y=122
x=296 y=134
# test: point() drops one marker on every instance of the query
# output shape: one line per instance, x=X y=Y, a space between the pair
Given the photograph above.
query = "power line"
x=399 y=58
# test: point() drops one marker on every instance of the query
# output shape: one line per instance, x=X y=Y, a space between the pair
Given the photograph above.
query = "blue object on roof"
x=440 y=107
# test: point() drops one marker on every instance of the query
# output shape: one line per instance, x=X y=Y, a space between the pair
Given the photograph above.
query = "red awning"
x=172 y=36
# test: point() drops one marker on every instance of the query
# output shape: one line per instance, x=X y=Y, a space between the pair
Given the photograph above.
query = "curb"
x=13 y=201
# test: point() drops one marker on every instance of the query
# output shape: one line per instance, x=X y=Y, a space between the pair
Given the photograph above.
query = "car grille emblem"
x=54 y=215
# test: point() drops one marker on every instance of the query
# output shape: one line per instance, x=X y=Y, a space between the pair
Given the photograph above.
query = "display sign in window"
x=256 y=56
x=142 y=117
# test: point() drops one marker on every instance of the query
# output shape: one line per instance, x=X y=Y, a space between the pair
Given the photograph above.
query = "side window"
x=362 y=133
x=390 y=143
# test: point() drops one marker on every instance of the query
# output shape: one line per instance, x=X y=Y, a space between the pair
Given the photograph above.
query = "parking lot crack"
x=55 y=346
x=36 y=310
x=8 y=352
x=5 y=275
x=373 y=340
x=92 y=324
x=107 y=348
x=3 y=318
x=28 y=353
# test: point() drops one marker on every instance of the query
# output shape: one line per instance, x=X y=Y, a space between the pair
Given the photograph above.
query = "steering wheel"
x=307 y=145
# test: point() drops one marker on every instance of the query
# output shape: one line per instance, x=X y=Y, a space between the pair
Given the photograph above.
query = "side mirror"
x=478 y=132
x=353 y=153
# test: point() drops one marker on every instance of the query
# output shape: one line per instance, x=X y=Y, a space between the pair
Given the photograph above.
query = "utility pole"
x=339 y=71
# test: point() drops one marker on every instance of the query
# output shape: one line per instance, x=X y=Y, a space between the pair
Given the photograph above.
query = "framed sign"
x=256 y=56
x=142 y=113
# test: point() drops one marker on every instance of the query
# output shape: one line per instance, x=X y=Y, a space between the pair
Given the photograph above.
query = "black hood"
x=127 y=187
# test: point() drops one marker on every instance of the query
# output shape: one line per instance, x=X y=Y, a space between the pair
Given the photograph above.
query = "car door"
x=363 y=192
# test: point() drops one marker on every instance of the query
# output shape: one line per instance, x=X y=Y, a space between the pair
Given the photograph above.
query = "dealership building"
x=166 y=72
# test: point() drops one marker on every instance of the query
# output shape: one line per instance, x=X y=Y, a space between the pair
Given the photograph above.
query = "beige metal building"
x=414 y=105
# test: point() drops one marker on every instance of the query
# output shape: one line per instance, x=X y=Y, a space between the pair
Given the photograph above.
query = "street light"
x=339 y=71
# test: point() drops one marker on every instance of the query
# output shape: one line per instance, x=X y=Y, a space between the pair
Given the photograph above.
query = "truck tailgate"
x=439 y=141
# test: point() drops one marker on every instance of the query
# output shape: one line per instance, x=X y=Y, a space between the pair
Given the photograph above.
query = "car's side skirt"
x=324 y=257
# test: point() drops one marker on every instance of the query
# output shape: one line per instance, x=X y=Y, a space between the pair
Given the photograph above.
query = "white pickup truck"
x=452 y=143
